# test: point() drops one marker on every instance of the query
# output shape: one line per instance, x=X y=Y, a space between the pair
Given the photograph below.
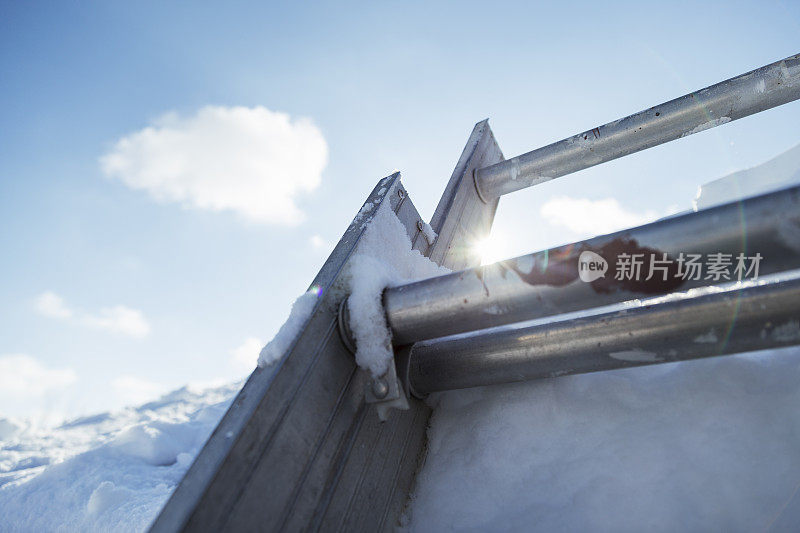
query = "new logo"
x=591 y=266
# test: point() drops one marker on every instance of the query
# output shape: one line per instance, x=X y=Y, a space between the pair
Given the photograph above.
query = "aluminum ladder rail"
x=769 y=86
x=547 y=283
x=300 y=448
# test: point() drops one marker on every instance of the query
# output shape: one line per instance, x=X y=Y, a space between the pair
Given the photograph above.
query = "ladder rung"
x=755 y=91
x=547 y=283
x=737 y=320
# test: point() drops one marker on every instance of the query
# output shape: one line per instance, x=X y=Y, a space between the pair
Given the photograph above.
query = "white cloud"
x=119 y=319
x=245 y=355
x=116 y=319
x=318 y=243
x=50 y=304
x=592 y=217
x=251 y=161
x=133 y=391
x=25 y=376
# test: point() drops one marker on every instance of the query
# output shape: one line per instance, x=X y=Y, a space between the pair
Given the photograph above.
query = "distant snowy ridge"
x=779 y=172
x=106 y=472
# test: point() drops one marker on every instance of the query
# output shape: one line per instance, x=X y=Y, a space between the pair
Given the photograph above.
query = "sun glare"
x=491 y=249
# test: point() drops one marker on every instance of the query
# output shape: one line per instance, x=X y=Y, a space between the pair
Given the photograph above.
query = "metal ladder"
x=300 y=447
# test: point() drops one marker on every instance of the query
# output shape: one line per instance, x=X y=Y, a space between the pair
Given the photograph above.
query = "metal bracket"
x=477 y=186
x=385 y=391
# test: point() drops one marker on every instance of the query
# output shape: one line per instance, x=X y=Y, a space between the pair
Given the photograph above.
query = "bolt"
x=380 y=389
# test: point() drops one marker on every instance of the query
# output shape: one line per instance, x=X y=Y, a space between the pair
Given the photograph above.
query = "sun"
x=491 y=249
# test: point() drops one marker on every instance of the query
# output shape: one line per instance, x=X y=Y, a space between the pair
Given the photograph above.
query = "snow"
x=384 y=258
x=710 y=337
x=777 y=173
x=788 y=332
x=713 y=123
x=698 y=445
x=639 y=356
x=514 y=169
x=302 y=308
x=106 y=472
x=114 y=471
x=704 y=445
x=366 y=209
x=428 y=233
x=709 y=444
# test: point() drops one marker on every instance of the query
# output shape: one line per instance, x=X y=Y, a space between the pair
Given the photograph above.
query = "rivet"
x=379 y=388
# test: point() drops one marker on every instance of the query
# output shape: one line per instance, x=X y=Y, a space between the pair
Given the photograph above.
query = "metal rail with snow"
x=301 y=448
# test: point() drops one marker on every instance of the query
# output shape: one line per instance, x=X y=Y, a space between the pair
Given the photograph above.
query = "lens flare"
x=316 y=289
x=491 y=249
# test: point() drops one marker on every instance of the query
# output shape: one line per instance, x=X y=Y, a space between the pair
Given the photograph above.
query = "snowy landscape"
x=207 y=320
x=107 y=472
x=698 y=445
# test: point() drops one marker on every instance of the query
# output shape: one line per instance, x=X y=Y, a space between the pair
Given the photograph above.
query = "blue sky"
x=109 y=295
